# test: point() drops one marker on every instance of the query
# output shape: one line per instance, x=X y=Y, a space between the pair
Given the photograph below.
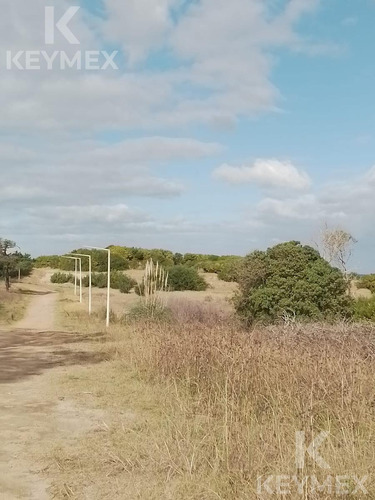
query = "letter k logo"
x=312 y=450
x=61 y=25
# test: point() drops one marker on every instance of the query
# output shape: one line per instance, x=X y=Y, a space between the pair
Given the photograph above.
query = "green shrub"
x=52 y=261
x=230 y=269
x=178 y=259
x=98 y=280
x=122 y=282
x=119 y=281
x=153 y=311
x=185 y=278
x=367 y=282
x=290 y=279
x=61 y=278
x=364 y=309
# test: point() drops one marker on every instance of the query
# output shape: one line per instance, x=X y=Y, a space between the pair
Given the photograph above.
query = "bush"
x=98 y=280
x=230 y=269
x=52 y=261
x=364 y=309
x=149 y=311
x=367 y=282
x=122 y=282
x=209 y=266
x=119 y=281
x=185 y=278
x=290 y=279
x=61 y=278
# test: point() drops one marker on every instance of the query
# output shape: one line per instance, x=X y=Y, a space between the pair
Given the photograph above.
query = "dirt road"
x=31 y=415
x=41 y=315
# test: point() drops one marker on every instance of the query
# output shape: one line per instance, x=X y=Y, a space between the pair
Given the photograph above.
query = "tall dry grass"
x=198 y=408
x=13 y=305
x=152 y=303
x=238 y=397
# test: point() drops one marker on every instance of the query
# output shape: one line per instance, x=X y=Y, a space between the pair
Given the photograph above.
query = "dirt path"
x=41 y=313
x=31 y=415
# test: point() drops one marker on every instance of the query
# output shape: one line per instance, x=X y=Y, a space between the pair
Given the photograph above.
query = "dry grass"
x=358 y=293
x=199 y=408
x=219 y=293
x=12 y=305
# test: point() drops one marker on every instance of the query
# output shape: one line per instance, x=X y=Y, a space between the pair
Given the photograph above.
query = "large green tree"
x=290 y=279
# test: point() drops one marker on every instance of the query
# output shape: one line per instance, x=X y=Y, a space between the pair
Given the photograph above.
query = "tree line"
x=124 y=258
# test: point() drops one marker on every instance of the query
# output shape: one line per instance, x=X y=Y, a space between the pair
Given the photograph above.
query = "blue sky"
x=228 y=126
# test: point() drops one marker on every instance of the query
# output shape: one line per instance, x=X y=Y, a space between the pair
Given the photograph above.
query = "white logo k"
x=312 y=450
x=61 y=25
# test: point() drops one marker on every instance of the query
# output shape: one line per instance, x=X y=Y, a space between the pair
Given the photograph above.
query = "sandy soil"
x=41 y=314
x=31 y=415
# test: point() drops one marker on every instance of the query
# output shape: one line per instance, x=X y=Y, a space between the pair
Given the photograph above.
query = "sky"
x=208 y=126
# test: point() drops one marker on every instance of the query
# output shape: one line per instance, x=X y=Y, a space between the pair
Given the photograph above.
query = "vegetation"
x=13 y=263
x=364 y=309
x=337 y=248
x=99 y=261
x=368 y=282
x=218 y=406
x=61 y=278
x=230 y=269
x=12 y=306
x=186 y=278
x=119 y=281
x=124 y=258
x=290 y=280
x=152 y=304
x=155 y=280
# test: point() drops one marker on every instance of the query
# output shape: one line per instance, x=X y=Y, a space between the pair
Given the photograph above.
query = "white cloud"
x=216 y=60
x=77 y=215
x=270 y=173
x=139 y=25
x=220 y=64
x=150 y=149
x=91 y=170
x=370 y=175
x=14 y=192
x=350 y=203
x=304 y=207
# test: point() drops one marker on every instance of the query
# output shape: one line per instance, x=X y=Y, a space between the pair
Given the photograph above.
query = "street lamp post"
x=90 y=277
x=80 y=280
x=75 y=275
x=109 y=278
x=77 y=259
x=75 y=271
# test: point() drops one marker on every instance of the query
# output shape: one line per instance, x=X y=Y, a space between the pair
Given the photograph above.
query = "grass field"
x=12 y=305
x=219 y=292
x=199 y=408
